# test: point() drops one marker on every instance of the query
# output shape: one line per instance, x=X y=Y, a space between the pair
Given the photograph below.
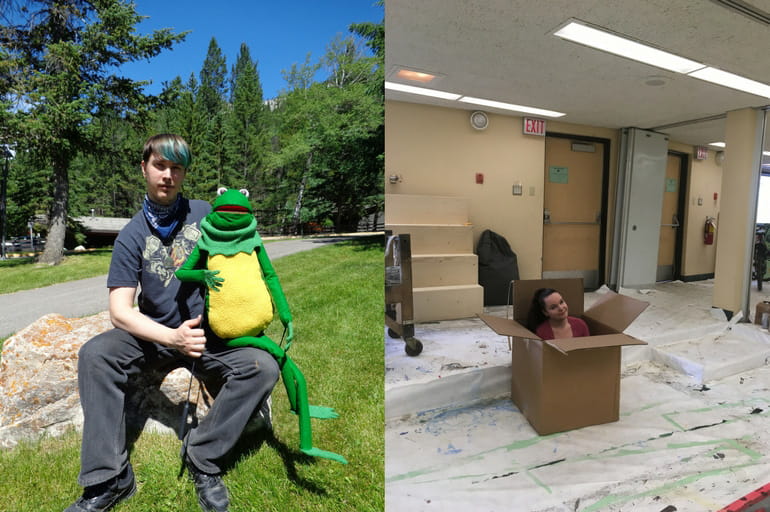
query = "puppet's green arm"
x=276 y=292
x=193 y=271
x=274 y=285
x=296 y=389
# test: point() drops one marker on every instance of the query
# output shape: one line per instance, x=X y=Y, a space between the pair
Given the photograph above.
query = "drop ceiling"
x=505 y=50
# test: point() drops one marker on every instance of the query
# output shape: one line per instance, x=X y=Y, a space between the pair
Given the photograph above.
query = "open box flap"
x=616 y=311
x=508 y=327
x=567 y=345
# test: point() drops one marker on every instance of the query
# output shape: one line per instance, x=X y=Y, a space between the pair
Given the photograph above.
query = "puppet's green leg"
x=263 y=342
x=296 y=385
x=272 y=348
x=292 y=377
x=296 y=390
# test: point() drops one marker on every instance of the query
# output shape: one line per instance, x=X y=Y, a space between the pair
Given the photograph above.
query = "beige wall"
x=703 y=180
x=435 y=151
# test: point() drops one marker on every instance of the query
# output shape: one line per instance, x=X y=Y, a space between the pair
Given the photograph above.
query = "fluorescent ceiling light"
x=723 y=145
x=619 y=45
x=624 y=47
x=393 y=86
x=719 y=77
x=509 y=106
x=415 y=76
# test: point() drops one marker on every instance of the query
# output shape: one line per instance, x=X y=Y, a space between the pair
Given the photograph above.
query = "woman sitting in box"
x=549 y=317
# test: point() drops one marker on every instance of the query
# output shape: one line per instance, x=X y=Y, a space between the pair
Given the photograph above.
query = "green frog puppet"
x=244 y=294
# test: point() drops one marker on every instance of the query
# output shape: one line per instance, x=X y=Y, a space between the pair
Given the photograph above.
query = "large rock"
x=39 y=387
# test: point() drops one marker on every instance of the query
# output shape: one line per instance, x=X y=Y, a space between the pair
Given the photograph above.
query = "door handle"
x=547 y=220
x=674 y=222
x=567 y=222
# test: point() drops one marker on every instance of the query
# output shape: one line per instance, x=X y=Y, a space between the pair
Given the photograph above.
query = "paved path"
x=89 y=296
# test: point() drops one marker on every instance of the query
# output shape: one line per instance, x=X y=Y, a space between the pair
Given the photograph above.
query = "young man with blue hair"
x=164 y=332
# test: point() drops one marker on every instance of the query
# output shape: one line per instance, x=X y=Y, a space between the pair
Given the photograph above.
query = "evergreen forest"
x=312 y=158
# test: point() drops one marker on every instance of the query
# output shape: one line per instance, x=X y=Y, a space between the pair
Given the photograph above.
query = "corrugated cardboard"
x=568 y=383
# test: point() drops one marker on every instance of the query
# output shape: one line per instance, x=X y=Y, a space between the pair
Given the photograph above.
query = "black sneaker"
x=103 y=497
x=261 y=419
x=211 y=490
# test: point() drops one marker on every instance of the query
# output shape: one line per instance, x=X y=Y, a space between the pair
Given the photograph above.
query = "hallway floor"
x=693 y=434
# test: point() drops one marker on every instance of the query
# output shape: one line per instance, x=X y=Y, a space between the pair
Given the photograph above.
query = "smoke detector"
x=479 y=120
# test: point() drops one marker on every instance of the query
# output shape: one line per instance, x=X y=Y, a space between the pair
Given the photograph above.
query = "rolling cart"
x=399 y=311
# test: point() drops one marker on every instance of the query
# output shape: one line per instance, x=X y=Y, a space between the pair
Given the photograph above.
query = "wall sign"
x=701 y=152
x=534 y=126
x=558 y=174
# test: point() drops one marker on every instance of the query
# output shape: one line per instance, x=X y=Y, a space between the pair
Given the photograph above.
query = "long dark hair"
x=536 y=315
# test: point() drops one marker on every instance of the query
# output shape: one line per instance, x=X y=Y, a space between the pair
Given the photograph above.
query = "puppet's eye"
x=244 y=192
x=221 y=190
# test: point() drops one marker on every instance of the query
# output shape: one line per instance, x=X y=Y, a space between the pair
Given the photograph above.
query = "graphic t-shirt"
x=139 y=258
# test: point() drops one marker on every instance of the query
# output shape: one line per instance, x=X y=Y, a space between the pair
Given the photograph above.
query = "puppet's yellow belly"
x=242 y=306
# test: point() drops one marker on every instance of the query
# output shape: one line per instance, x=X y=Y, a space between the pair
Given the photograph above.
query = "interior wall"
x=435 y=151
x=703 y=181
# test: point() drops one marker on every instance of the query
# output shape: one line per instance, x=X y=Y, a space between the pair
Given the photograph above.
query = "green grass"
x=24 y=274
x=336 y=296
x=17 y=274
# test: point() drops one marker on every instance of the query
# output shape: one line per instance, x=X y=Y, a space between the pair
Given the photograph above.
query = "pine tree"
x=63 y=56
x=213 y=80
x=210 y=164
x=246 y=129
x=188 y=120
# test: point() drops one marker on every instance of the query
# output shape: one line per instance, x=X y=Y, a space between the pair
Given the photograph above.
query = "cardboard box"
x=568 y=383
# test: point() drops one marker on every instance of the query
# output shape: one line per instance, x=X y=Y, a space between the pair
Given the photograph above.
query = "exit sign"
x=701 y=152
x=534 y=126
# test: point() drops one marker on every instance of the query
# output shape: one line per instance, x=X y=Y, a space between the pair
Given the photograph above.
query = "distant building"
x=101 y=231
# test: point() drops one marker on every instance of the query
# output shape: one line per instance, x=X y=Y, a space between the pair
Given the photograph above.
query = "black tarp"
x=498 y=266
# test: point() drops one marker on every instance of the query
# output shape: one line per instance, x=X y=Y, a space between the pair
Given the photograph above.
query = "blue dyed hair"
x=170 y=147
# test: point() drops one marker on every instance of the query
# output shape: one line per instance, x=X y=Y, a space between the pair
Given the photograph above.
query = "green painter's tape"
x=614 y=499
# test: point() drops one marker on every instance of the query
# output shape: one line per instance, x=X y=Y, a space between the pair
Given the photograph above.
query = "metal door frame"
x=684 y=165
x=606 y=145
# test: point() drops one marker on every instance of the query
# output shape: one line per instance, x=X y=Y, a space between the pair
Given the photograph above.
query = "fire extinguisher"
x=709 y=230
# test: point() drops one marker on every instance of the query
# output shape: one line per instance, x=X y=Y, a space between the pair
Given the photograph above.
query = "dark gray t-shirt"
x=140 y=258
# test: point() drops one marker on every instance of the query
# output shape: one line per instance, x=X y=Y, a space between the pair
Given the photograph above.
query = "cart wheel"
x=393 y=334
x=413 y=346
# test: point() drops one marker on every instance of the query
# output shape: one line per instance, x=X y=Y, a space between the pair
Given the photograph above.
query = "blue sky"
x=278 y=34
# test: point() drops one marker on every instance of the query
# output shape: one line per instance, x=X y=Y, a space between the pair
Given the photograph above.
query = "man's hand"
x=189 y=338
x=212 y=282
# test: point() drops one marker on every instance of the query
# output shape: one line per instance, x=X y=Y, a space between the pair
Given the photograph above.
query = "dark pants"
x=246 y=375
